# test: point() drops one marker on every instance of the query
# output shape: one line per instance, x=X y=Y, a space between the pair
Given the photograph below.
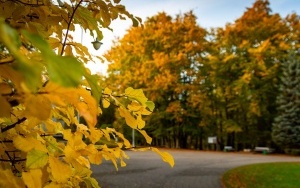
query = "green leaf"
x=88 y=21
x=38 y=42
x=150 y=105
x=95 y=87
x=30 y=70
x=36 y=159
x=66 y=71
x=31 y=73
x=91 y=182
x=9 y=37
x=135 y=22
x=136 y=94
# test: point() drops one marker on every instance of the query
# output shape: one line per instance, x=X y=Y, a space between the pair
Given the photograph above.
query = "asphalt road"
x=193 y=169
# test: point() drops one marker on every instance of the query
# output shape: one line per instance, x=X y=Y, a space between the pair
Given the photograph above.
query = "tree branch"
x=13 y=125
x=68 y=28
x=7 y=62
x=28 y=4
x=16 y=160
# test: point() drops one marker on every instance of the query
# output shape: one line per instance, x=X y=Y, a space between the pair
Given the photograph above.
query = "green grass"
x=266 y=175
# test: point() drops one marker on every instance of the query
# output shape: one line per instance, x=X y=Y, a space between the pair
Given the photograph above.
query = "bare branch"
x=13 y=125
x=28 y=4
x=68 y=28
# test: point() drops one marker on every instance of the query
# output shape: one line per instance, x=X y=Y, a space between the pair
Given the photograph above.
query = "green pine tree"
x=286 y=126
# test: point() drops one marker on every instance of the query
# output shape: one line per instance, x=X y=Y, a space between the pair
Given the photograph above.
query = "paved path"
x=193 y=169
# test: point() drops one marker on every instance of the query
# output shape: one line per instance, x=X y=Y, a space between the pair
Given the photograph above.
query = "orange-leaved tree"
x=163 y=57
x=45 y=88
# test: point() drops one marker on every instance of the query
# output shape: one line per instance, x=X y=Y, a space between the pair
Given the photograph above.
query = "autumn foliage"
x=45 y=90
x=219 y=82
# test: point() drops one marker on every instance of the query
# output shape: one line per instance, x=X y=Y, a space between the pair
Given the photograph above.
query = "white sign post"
x=213 y=140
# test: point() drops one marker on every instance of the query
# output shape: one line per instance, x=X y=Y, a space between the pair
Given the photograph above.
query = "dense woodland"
x=225 y=82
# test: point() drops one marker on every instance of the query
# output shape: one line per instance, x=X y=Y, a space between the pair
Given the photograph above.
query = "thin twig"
x=7 y=62
x=29 y=4
x=16 y=160
x=68 y=28
x=13 y=125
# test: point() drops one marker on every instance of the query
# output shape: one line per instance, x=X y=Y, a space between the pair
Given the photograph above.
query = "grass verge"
x=265 y=175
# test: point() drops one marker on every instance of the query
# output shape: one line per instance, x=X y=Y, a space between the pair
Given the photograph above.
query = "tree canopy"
x=219 y=82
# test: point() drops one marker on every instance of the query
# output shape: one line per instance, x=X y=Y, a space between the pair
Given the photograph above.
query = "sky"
x=210 y=13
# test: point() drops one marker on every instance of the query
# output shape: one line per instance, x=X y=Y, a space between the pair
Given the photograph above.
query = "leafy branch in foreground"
x=45 y=89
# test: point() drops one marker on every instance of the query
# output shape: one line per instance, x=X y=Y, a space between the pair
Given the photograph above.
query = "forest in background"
x=229 y=82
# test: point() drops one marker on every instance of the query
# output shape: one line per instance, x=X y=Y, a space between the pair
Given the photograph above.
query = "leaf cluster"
x=45 y=89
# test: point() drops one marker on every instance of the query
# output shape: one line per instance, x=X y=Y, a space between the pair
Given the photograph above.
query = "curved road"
x=193 y=169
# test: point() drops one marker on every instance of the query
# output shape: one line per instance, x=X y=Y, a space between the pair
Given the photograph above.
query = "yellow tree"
x=244 y=61
x=162 y=57
x=45 y=87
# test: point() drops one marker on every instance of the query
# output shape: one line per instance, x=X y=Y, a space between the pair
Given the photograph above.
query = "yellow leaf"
x=95 y=135
x=5 y=88
x=33 y=178
x=67 y=134
x=87 y=108
x=144 y=111
x=74 y=140
x=105 y=103
x=53 y=146
x=80 y=98
x=146 y=136
x=106 y=133
x=123 y=164
x=5 y=107
x=130 y=120
x=126 y=142
x=60 y=171
x=82 y=127
x=53 y=126
x=32 y=122
x=9 y=73
x=70 y=153
x=229 y=57
x=95 y=158
x=38 y=106
x=166 y=157
x=135 y=106
x=136 y=94
x=68 y=50
x=29 y=143
x=54 y=42
x=36 y=159
x=107 y=91
x=93 y=182
x=142 y=149
x=81 y=171
x=8 y=179
x=141 y=123
x=83 y=161
x=53 y=185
